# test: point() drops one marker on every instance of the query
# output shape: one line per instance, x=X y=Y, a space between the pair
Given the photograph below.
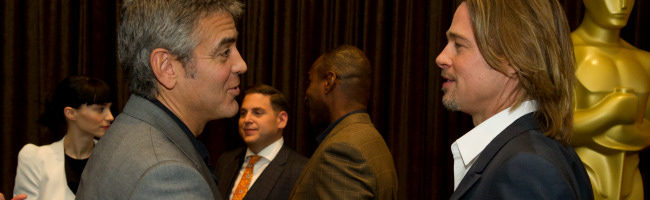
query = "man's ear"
x=510 y=71
x=162 y=65
x=329 y=81
x=70 y=113
x=282 y=119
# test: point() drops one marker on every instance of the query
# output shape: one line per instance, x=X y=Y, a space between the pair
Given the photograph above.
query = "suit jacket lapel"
x=264 y=184
x=146 y=111
x=524 y=123
x=231 y=173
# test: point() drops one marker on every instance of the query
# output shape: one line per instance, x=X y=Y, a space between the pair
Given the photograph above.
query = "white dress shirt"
x=466 y=149
x=267 y=155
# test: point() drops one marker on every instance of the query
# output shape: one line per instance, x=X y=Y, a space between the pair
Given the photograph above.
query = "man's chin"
x=249 y=140
x=231 y=110
x=450 y=104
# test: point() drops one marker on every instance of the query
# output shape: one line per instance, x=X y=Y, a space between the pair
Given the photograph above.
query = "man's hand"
x=17 y=197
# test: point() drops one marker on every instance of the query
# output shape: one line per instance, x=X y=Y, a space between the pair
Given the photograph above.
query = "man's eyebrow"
x=227 y=41
x=223 y=43
x=456 y=36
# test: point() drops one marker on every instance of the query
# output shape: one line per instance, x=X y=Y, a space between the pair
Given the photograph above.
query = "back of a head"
x=532 y=36
x=74 y=91
x=278 y=100
x=170 y=24
x=353 y=68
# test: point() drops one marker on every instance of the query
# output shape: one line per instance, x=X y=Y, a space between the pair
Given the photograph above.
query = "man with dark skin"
x=352 y=160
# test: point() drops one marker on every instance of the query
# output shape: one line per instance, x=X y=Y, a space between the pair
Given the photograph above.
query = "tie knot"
x=254 y=159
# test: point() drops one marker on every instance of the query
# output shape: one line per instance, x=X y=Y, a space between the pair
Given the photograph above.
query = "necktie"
x=245 y=180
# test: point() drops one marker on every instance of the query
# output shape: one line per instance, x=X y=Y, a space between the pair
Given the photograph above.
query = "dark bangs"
x=92 y=91
x=73 y=92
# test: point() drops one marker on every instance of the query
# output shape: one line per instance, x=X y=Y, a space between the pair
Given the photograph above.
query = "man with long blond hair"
x=510 y=65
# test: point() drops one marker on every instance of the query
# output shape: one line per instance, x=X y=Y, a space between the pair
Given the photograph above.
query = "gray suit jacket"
x=352 y=162
x=146 y=155
x=275 y=182
x=522 y=163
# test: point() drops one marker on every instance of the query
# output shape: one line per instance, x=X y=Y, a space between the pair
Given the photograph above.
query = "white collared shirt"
x=267 y=155
x=466 y=149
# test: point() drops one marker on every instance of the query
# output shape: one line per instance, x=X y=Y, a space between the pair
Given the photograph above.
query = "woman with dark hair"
x=79 y=112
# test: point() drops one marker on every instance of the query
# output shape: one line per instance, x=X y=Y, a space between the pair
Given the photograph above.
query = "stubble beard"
x=449 y=101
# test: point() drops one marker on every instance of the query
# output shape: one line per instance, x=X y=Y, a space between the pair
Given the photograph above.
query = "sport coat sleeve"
x=28 y=172
x=343 y=173
x=528 y=176
x=171 y=180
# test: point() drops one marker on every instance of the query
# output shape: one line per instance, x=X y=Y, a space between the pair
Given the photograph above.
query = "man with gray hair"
x=183 y=68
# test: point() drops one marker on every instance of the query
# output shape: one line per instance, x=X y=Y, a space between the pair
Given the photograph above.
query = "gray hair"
x=169 y=24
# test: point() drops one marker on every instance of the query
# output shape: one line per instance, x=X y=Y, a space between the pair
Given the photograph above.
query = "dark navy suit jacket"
x=522 y=163
x=275 y=182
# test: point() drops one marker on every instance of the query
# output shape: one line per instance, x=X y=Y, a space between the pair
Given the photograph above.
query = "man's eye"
x=225 y=53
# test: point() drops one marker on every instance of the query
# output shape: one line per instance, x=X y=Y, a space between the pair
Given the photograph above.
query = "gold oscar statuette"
x=612 y=115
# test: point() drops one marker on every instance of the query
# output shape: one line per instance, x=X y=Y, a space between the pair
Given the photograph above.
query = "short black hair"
x=352 y=67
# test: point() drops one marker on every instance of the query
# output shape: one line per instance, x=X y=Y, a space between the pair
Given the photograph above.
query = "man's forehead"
x=319 y=61
x=462 y=12
x=219 y=24
x=314 y=67
x=461 y=27
x=218 y=18
x=257 y=100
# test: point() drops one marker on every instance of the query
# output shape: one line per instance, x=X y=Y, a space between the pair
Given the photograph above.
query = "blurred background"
x=44 y=41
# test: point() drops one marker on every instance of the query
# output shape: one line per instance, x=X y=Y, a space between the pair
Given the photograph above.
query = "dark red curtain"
x=47 y=40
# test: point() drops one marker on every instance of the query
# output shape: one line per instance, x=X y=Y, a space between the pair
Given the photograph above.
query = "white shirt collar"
x=473 y=142
x=269 y=152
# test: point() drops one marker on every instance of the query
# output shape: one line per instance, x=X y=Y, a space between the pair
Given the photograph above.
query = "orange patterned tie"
x=245 y=180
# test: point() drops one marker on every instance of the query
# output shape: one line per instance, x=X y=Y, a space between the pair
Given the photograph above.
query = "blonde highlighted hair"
x=532 y=37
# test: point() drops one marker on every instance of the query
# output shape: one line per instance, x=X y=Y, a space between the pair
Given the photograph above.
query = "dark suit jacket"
x=274 y=183
x=522 y=163
x=352 y=162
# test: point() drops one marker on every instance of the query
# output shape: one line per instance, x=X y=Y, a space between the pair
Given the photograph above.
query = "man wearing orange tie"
x=266 y=168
